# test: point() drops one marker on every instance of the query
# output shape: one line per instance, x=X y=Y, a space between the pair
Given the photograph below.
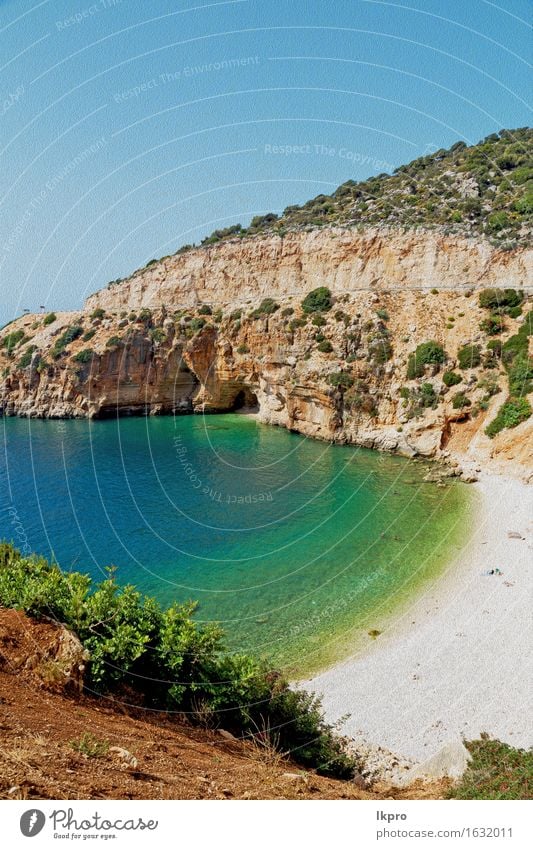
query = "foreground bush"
x=175 y=663
x=496 y=771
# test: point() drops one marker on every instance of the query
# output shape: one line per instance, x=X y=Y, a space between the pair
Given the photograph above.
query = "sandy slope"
x=458 y=661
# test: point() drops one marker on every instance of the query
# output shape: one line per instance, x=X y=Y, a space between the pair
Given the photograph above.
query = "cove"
x=297 y=548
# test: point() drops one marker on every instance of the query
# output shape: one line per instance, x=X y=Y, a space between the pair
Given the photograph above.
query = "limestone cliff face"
x=240 y=271
x=390 y=293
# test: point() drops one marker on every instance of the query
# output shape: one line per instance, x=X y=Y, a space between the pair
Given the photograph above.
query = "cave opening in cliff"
x=246 y=400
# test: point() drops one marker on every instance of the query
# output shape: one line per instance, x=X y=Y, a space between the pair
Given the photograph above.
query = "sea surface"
x=297 y=547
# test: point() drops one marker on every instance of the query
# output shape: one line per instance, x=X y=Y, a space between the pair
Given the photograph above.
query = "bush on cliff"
x=174 y=662
x=427 y=353
x=502 y=299
x=469 y=356
x=511 y=414
x=318 y=300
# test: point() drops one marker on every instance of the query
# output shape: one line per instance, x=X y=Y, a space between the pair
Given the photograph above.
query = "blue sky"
x=130 y=128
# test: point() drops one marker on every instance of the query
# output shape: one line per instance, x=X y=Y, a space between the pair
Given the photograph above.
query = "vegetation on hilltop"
x=172 y=662
x=485 y=189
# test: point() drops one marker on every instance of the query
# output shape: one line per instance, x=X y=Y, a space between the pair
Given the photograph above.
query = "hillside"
x=418 y=341
x=485 y=190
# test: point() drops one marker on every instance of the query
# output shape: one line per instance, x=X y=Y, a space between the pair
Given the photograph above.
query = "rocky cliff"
x=238 y=272
x=227 y=327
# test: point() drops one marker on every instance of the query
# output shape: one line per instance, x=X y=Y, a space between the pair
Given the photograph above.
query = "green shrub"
x=84 y=356
x=235 y=315
x=380 y=350
x=296 y=323
x=49 y=319
x=500 y=298
x=341 y=380
x=515 y=346
x=114 y=342
x=514 y=312
x=493 y=325
x=451 y=378
x=157 y=335
x=318 y=320
x=69 y=335
x=469 y=356
x=13 y=339
x=510 y=414
x=97 y=313
x=382 y=314
x=520 y=375
x=287 y=312
x=90 y=746
x=427 y=397
x=425 y=354
x=26 y=358
x=495 y=345
x=325 y=347
x=243 y=349
x=318 y=300
x=205 y=309
x=266 y=307
x=460 y=400
x=174 y=662
x=196 y=324
x=496 y=771
x=145 y=316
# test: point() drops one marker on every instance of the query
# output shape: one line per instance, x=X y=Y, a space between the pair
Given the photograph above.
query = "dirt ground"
x=130 y=754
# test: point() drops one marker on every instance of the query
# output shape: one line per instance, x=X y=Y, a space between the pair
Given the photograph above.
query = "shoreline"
x=454 y=663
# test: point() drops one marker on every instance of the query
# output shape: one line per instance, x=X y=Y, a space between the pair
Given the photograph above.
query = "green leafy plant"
x=500 y=298
x=69 y=335
x=174 y=662
x=27 y=356
x=49 y=319
x=341 y=379
x=469 y=356
x=114 y=342
x=90 y=746
x=496 y=771
x=84 y=356
x=205 y=309
x=427 y=353
x=325 y=347
x=98 y=313
x=318 y=300
x=460 y=401
x=196 y=324
x=511 y=414
x=266 y=307
x=451 y=378
x=13 y=339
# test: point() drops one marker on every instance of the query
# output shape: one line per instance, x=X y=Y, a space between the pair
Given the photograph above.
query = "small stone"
x=227 y=735
x=514 y=535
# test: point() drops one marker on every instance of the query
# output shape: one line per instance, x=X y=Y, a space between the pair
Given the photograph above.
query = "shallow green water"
x=297 y=547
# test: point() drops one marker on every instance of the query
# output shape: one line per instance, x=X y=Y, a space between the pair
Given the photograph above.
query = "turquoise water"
x=297 y=547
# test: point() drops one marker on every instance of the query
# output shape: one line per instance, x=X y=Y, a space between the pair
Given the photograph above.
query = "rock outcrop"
x=193 y=333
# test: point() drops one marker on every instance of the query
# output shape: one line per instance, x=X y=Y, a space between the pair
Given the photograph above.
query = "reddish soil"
x=41 y=722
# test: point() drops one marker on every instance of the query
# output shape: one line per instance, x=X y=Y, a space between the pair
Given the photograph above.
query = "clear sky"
x=130 y=128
